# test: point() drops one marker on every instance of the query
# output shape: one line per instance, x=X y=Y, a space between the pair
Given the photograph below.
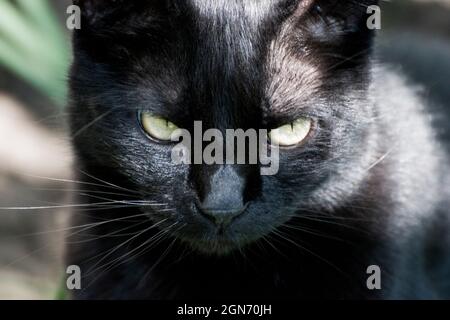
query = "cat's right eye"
x=156 y=127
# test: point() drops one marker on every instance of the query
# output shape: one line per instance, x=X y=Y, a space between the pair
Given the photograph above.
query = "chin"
x=220 y=247
x=217 y=242
x=205 y=237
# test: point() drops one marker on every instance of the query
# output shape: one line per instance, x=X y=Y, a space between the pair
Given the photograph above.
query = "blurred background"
x=35 y=154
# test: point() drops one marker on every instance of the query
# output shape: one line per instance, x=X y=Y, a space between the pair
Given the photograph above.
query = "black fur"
x=370 y=186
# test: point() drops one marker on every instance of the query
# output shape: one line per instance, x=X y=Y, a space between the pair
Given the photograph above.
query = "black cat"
x=362 y=178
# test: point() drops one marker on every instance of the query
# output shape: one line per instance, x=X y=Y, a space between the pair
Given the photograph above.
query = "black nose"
x=224 y=199
x=223 y=217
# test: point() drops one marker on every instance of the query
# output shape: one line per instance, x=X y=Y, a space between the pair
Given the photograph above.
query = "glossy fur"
x=370 y=186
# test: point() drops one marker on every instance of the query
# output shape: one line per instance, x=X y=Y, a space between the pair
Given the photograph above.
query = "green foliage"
x=33 y=45
x=62 y=293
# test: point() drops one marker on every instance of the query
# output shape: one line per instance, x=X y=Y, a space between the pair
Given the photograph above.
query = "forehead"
x=236 y=23
x=254 y=10
x=224 y=59
x=227 y=68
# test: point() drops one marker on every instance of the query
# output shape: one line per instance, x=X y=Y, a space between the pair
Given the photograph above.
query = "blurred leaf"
x=62 y=293
x=41 y=13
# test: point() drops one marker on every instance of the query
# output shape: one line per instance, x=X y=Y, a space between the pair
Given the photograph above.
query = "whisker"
x=284 y=237
x=350 y=227
x=88 y=226
x=160 y=259
x=93 y=269
x=108 y=183
x=117 y=262
x=111 y=234
x=83 y=190
x=84 y=205
x=90 y=124
x=65 y=180
x=381 y=159
x=315 y=233
x=153 y=241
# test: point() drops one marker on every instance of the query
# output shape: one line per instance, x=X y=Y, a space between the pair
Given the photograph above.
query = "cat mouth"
x=222 y=220
x=216 y=236
x=220 y=245
x=212 y=238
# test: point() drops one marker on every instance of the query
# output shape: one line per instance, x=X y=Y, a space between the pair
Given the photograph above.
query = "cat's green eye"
x=157 y=127
x=291 y=134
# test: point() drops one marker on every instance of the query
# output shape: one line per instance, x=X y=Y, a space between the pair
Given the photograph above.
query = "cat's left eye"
x=156 y=127
x=291 y=134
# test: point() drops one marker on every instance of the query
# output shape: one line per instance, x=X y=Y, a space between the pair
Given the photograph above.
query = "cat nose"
x=223 y=218
x=224 y=200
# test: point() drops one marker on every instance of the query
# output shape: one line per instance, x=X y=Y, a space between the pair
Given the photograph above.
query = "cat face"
x=229 y=64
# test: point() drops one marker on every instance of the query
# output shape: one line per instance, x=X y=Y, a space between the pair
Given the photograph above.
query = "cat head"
x=144 y=67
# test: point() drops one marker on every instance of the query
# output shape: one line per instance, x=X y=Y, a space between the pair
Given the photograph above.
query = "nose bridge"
x=227 y=78
x=223 y=188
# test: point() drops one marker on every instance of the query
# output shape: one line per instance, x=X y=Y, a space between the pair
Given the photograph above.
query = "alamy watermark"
x=73 y=281
x=73 y=21
x=374 y=20
x=236 y=146
x=374 y=280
